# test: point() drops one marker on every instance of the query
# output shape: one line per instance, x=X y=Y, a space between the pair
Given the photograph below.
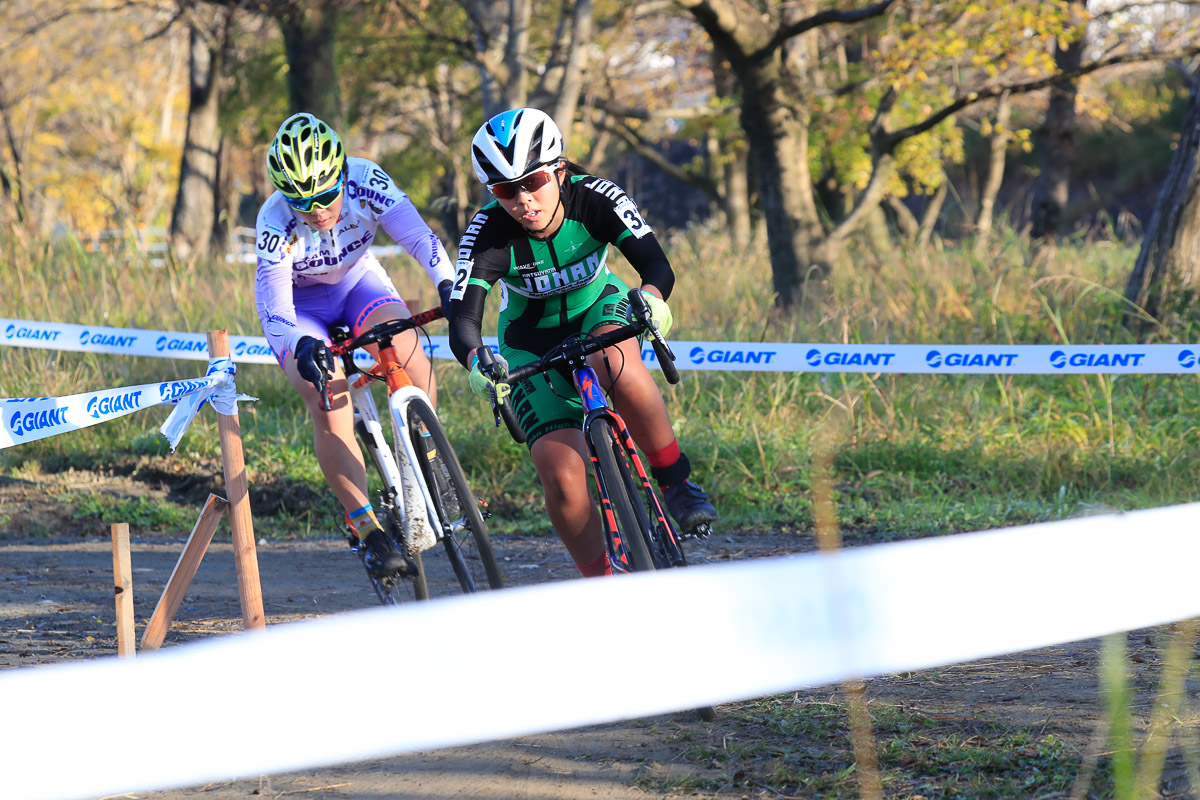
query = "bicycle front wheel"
x=464 y=534
x=400 y=588
x=411 y=586
x=632 y=521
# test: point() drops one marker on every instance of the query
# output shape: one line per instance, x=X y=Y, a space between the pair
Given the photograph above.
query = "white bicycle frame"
x=418 y=513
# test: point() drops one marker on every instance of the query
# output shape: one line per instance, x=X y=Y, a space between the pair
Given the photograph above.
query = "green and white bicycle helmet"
x=513 y=144
x=305 y=158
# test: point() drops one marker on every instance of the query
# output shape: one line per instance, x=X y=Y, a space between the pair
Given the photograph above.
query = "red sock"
x=666 y=456
x=596 y=569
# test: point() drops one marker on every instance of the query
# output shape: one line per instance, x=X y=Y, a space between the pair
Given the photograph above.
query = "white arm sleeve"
x=406 y=226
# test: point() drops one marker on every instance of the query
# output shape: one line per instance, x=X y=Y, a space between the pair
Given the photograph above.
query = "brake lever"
x=642 y=309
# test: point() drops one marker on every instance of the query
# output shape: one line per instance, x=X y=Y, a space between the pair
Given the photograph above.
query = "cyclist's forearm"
x=466 y=336
x=647 y=257
x=466 y=331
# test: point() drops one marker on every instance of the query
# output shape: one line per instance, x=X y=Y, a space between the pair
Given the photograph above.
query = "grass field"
x=912 y=454
x=907 y=455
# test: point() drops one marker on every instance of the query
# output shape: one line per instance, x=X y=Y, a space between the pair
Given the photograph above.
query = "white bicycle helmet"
x=513 y=144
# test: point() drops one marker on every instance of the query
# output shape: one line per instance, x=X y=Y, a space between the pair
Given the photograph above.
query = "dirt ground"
x=56 y=603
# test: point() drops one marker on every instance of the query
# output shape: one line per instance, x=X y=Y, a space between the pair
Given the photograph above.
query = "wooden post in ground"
x=185 y=570
x=236 y=489
x=123 y=589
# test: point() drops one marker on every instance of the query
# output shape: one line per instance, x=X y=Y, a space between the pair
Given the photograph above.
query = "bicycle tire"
x=614 y=474
x=397 y=590
x=409 y=588
x=466 y=542
x=655 y=545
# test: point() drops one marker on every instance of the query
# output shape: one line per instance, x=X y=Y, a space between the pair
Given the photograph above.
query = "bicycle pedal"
x=484 y=510
x=701 y=531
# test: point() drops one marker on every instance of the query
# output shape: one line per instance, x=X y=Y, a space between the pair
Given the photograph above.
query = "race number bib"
x=627 y=210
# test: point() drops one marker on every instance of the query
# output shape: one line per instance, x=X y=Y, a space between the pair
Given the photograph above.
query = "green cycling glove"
x=660 y=312
x=484 y=386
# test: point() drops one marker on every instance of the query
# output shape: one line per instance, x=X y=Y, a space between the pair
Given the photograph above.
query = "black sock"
x=673 y=475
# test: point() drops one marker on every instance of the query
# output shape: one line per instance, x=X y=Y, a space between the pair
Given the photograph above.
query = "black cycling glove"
x=313 y=361
x=444 y=289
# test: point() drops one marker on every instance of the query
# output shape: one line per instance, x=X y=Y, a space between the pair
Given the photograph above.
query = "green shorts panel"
x=549 y=402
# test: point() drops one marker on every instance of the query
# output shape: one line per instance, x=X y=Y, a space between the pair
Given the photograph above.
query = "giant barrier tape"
x=690 y=355
x=27 y=419
x=751 y=629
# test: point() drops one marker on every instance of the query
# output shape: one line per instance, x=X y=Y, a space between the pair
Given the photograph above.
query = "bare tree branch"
x=1122 y=9
x=832 y=16
x=889 y=141
x=462 y=46
x=643 y=148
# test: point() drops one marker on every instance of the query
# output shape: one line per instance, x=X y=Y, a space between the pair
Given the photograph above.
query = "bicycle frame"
x=401 y=392
x=595 y=404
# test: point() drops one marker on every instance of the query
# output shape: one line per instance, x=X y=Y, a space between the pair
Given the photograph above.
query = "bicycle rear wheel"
x=464 y=534
x=632 y=520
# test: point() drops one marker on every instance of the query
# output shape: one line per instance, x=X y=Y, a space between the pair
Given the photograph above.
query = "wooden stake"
x=236 y=489
x=123 y=589
x=185 y=570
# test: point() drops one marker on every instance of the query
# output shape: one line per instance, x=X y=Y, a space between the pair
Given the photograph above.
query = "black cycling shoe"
x=381 y=556
x=689 y=507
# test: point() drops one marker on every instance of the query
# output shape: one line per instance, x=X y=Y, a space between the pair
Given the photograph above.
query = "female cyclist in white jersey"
x=315 y=270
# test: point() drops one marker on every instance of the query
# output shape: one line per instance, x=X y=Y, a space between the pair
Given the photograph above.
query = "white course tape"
x=690 y=355
x=220 y=393
x=502 y=664
x=26 y=419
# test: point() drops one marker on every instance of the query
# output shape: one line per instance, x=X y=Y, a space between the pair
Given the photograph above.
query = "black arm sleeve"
x=647 y=257
x=466 y=331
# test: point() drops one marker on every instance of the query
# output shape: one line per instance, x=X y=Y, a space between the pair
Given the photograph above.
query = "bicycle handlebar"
x=379 y=334
x=573 y=353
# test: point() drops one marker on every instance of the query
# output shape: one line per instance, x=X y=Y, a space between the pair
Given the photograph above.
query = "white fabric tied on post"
x=217 y=387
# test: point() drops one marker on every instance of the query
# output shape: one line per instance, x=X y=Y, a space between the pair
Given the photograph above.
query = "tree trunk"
x=453 y=202
x=736 y=197
x=1169 y=261
x=774 y=114
x=12 y=183
x=1056 y=141
x=500 y=29
x=557 y=92
x=733 y=178
x=193 y=218
x=906 y=220
x=308 y=43
x=777 y=132
x=997 y=147
x=932 y=213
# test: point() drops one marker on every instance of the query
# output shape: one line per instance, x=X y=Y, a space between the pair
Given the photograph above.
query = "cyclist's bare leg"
x=337 y=451
x=562 y=464
x=635 y=395
x=408 y=349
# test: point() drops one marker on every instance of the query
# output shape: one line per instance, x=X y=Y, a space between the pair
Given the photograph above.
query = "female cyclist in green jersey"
x=544 y=240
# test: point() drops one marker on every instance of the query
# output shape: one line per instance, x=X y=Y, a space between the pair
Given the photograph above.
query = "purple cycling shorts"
x=348 y=302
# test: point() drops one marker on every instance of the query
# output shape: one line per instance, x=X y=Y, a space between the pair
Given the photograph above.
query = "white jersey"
x=292 y=255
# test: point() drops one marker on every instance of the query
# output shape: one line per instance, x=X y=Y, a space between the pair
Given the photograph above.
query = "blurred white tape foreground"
x=470 y=669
